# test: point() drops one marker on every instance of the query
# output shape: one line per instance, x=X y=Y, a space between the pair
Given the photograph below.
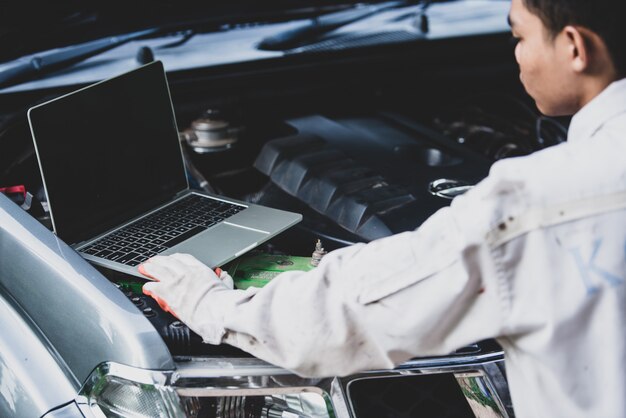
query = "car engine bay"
x=363 y=146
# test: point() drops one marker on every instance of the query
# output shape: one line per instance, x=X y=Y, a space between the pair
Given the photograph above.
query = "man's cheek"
x=523 y=77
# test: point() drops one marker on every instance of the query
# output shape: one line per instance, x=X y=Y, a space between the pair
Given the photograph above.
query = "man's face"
x=544 y=70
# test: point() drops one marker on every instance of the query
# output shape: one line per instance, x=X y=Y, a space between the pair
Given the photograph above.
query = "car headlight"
x=119 y=391
x=115 y=397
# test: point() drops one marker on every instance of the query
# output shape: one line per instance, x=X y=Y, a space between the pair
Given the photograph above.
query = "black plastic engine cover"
x=370 y=175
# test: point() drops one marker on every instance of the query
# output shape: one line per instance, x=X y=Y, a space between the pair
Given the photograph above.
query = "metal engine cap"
x=211 y=133
x=448 y=188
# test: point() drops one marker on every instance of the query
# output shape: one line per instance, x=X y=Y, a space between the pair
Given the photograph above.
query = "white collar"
x=605 y=106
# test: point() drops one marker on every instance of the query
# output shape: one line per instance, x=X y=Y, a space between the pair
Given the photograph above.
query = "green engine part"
x=259 y=269
x=131 y=285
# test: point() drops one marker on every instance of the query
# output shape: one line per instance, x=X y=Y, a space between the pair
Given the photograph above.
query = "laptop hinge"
x=182 y=193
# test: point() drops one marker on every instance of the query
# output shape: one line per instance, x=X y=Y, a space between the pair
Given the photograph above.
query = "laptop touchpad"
x=222 y=242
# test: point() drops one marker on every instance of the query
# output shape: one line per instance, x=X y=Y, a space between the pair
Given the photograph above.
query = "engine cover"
x=371 y=175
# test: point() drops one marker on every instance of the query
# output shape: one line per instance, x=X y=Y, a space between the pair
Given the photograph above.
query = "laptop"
x=113 y=170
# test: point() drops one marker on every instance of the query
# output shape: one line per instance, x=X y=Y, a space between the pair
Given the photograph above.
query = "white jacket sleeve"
x=426 y=292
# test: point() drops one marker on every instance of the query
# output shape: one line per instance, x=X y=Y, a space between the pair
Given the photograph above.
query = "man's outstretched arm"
x=370 y=306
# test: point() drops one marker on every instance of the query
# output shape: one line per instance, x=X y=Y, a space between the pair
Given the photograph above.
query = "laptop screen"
x=108 y=152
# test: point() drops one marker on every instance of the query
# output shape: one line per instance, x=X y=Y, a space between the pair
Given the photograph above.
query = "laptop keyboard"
x=161 y=230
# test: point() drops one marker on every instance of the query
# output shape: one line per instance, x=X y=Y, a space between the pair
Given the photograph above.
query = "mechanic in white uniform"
x=534 y=255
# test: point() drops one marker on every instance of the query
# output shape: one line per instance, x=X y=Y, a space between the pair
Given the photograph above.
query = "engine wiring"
x=499 y=126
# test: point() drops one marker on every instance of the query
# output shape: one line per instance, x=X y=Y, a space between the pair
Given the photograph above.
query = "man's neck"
x=592 y=86
x=601 y=74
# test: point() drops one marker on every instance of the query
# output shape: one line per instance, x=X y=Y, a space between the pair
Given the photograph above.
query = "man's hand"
x=179 y=280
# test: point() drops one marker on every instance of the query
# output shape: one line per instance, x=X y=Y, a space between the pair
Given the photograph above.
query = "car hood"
x=80 y=47
x=26 y=29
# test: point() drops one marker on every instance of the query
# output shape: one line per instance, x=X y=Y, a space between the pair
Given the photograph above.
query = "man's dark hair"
x=604 y=17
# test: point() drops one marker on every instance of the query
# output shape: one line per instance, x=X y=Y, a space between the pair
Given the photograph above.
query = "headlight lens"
x=116 y=397
x=148 y=394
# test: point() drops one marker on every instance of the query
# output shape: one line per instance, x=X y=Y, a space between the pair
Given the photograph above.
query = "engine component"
x=366 y=174
x=343 y=189
x=499 y=126
x=35 y=205
x=259 y=269
x=448 y=188
x=211 y=133
x=317 y=255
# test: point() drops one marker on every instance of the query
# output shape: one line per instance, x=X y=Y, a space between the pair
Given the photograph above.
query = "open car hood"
x=90 y=45
x=25 y=29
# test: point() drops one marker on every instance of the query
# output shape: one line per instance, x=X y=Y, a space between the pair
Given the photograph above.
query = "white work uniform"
x=534 y=256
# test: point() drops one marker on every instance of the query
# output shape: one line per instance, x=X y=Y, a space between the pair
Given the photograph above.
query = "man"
x=534 y=256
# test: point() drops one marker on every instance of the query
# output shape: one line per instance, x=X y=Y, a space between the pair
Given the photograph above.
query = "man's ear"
x=578 y=47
